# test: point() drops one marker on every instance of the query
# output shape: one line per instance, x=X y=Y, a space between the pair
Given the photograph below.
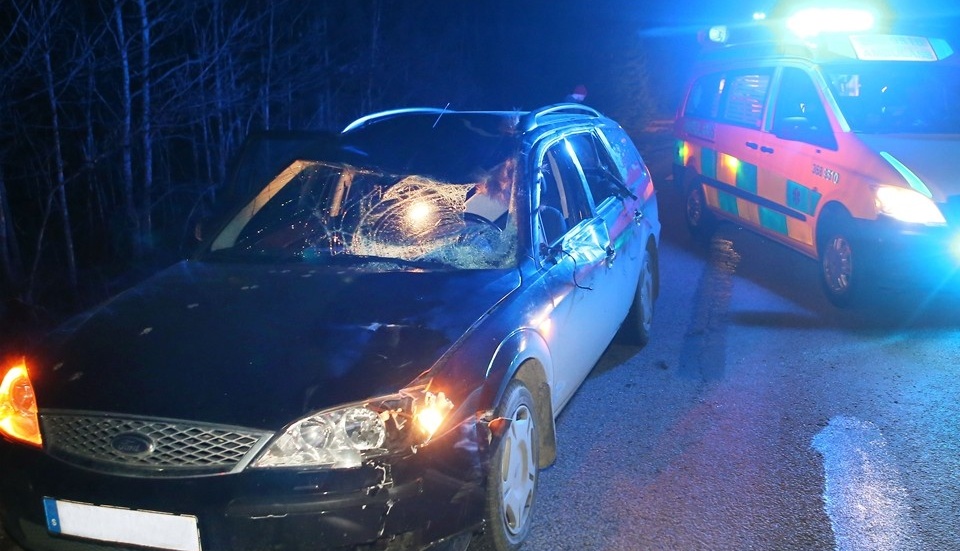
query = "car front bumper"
x=404 y=502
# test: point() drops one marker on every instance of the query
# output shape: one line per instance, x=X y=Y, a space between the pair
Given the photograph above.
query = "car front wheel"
x=514 y=473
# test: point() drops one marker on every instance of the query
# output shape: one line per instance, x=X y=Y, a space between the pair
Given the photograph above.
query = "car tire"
x=696 y=214
x=636 y=328
x=844 y=265
x=513 y=474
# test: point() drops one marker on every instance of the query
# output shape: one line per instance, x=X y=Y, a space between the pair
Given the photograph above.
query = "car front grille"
x=136 y=446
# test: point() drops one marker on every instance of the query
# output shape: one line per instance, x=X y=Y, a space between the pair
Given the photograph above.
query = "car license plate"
x=118 y=525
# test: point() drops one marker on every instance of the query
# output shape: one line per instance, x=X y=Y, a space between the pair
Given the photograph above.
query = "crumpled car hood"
x=259 y=346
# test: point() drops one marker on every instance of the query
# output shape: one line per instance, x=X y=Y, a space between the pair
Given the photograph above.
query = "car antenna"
x=442 y=111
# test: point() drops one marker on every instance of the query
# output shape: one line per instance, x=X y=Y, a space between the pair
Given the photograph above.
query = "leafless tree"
x=119 y=118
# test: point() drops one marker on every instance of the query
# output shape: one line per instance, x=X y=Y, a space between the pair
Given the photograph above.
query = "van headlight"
x=908 y=205
x=345 y=437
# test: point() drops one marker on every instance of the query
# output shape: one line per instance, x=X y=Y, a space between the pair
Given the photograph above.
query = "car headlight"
x=344 y=437
x=908 y=205
x=18 y=406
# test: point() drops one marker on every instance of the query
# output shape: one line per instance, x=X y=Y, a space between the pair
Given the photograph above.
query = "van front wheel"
x=843 y=267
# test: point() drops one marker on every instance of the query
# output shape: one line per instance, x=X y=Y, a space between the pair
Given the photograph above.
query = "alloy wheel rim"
x=838 y=265
x=518 y=475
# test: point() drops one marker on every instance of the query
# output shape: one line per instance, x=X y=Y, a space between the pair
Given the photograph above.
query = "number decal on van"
x=826 y=174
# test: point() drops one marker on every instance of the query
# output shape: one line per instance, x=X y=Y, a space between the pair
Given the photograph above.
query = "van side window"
x=744 y=97
x=799 y=114
x=732 y=97
x=704 y=98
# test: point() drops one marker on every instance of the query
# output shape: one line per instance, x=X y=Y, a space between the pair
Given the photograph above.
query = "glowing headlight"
x=908 y=205
x=343 y=438
x=18 y=406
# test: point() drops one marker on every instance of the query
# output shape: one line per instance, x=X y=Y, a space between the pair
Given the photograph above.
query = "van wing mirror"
x=801 y=129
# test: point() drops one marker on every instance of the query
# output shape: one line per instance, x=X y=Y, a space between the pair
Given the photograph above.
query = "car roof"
x=453 y=144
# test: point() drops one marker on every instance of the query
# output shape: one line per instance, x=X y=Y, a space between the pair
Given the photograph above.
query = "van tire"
x=844 y=263
x=700 y=221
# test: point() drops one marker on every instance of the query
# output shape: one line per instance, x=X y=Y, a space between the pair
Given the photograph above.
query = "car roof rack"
x=533 y=118
x=382 y=115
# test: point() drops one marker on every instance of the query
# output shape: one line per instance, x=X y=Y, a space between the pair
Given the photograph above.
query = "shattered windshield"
x=326 y=212
x=890 y=97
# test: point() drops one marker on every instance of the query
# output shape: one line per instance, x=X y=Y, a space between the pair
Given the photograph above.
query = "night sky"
x=585 y=36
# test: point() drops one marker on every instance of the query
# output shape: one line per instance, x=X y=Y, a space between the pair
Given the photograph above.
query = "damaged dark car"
x=368 y=352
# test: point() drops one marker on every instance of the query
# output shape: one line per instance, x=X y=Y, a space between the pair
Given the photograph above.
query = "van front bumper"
x=911 y=254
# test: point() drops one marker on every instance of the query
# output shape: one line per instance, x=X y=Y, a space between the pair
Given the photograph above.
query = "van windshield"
x=897 y=97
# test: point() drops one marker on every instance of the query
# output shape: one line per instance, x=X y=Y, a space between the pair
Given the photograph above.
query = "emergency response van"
x=843 y=147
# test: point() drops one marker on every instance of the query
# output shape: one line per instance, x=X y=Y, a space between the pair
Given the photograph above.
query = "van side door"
x=803 y=161
x=722 y=128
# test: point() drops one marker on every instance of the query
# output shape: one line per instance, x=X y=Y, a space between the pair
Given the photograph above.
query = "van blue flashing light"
x=717 y=34
x=810 y=22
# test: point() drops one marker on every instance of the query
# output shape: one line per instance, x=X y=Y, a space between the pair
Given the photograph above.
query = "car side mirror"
x=550 y=253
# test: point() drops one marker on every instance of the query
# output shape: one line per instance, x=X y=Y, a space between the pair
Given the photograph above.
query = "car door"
x=618 y=209
x=576 y=259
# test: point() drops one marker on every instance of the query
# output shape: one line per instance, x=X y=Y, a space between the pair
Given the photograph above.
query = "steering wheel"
x=473 y=218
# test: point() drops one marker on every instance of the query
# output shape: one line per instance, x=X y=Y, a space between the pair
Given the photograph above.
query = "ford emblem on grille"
x=132 y=443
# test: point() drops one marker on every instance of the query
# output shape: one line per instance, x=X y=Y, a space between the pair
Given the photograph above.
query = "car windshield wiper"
x=320 y=256
x=348 y=258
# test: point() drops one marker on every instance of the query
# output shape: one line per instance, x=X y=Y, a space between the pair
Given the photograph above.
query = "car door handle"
x=752 y=145
x=766 y=149
x=638 y=216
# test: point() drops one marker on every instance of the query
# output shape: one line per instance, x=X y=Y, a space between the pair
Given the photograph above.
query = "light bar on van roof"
x=885 y=47
x=810 y=22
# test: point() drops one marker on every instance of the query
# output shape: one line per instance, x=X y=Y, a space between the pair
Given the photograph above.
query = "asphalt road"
x=759 y=416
